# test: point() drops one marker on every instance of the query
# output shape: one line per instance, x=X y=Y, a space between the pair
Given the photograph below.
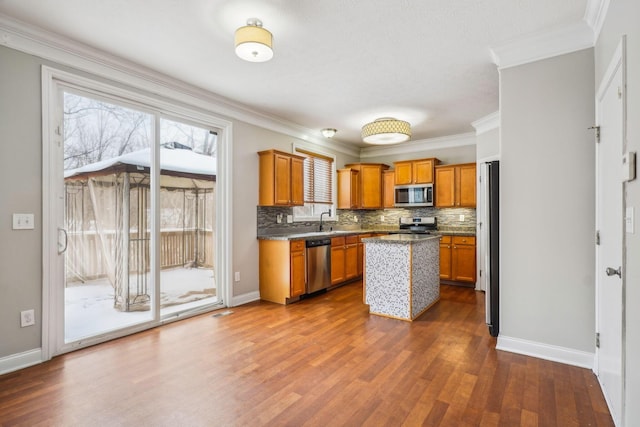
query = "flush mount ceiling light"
x=328 y=132
x=254 y=43
x=386 y=130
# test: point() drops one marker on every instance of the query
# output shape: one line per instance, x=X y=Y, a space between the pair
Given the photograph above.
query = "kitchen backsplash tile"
x=448 y=219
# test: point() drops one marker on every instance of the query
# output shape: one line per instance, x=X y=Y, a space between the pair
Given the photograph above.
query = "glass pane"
x=187 y=216
x=106 y=179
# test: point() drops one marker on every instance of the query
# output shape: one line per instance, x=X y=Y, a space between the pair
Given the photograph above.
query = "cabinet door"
x=298 y=285
x=445 y=258
x=404 y=174
x=337 y=265
x=351 y=261
x=445 y=187
x=282 y=190
x=466 y=188
x=423 y=171
x=371 y=186
x=297 y=182
x=464 y=259
x=388 y=178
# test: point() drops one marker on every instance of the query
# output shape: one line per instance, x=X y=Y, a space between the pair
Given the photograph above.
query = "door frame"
x=52 y=81
x=618 y=62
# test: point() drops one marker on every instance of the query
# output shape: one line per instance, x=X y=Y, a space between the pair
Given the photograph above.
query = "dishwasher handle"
x=317 y=242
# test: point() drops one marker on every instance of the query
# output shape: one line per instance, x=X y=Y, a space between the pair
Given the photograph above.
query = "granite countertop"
x=401 y=238
x=337 y=233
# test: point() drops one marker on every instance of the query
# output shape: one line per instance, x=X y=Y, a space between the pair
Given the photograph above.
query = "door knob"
x=611 y=271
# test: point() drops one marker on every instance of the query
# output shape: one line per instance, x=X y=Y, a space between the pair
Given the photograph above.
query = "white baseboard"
x=554 y=353
x=245 y=298
x=20 y=360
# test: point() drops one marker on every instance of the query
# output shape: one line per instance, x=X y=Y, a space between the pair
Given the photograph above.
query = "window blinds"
x=317 y=178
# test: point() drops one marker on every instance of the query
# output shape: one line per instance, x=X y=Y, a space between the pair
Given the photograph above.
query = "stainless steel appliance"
x=489 y=226
x=423 y=225
x=413 y=195
x=318 y=264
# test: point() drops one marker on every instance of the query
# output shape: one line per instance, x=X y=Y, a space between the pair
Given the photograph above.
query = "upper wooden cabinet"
x=455 y=186
x=388 y=193
x=348 y=185
x=281 y=179
x=415 y=171
x=369 y=183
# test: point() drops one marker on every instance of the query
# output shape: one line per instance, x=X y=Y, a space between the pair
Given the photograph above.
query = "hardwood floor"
x=321 y=362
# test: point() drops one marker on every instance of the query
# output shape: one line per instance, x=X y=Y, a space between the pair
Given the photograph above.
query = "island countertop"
x=401 y=238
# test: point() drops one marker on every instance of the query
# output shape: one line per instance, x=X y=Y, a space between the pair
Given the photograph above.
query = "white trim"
x=36 y=41
x=554 y=353
x=487 y=123
x=594 y=15
x=451 y=141
x=543 y=45
x=20 y=360
x=245 y=298
x=488 y=159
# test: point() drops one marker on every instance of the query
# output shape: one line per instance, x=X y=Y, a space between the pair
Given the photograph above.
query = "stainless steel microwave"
x=413 y=195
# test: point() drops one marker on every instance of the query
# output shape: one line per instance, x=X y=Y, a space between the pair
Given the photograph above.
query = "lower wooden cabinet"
x=281 y=270
x=344 y=259
x=361 y=253
x=458 y=258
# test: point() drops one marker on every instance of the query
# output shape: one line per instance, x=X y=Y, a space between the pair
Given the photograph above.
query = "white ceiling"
x=337 y=63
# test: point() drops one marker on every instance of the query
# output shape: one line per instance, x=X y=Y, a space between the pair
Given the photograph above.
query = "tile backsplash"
x=448 y=218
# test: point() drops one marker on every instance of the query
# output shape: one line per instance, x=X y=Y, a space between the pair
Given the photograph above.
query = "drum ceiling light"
x=386 y=130
x=254 y=43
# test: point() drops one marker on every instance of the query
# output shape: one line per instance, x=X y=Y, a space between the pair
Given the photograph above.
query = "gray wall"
x=20 y=192
x=449 y=155
x=622 y=18
x=488 y=144
x=547 y=201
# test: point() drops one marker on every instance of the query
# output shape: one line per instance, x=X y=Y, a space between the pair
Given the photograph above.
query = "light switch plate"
x=23 y=221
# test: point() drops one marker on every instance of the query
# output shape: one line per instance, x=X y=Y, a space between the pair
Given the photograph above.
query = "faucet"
x=328 y=213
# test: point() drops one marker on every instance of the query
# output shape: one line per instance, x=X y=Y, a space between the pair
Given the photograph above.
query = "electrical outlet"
x=279 y=218
x=289 y=219
x=461 y=218
x=236 y=276
x=27 y=318
x=381 y=218
x=355 y=218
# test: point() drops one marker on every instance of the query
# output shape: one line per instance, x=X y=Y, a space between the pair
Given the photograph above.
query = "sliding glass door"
x=139 y=216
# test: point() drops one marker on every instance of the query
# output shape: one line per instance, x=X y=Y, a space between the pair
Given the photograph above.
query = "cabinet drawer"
x=337 y=241
x=464 y=240
x=351 y=240
x=445 y=239
x=297 y=245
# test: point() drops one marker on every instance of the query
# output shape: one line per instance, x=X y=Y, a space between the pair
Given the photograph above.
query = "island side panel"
x=425 y=283
x=387 y=267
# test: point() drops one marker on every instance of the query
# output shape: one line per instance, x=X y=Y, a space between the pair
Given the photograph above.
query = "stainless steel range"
x=421 y=225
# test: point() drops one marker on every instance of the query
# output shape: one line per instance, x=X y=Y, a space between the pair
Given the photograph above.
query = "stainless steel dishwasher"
x=318 y=264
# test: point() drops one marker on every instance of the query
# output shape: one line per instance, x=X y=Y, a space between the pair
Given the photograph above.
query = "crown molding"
x=543 y=45
x=595 y=14
x=487 y=123
x=35 y=41
x=451 y=141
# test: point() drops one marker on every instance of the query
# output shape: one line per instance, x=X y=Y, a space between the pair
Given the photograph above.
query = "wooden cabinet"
x=281 y=179
x=455 y=186
x=415 y=171
x=361 y=253
x=348 y=189
x=338 y=274
x=458 y=258
x=281 y=270
x=344 y=259
x=368 y=182
x=297 y=267
x=388 y=192
x=445 y=257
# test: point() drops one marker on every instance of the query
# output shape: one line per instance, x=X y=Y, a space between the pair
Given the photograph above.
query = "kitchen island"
x=401 y=277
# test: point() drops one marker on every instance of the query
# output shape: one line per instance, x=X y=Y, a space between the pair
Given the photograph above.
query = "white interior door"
x=609 y=219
